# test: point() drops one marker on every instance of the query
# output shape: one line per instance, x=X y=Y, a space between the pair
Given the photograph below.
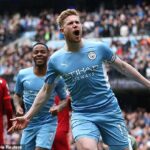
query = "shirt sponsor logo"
x=82 y=73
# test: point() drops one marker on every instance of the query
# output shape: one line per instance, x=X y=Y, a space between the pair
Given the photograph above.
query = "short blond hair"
x=64 y=14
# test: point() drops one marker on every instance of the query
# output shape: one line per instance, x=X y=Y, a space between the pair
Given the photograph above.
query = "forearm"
x=39 y=101
x=131 y=72
x=17 y=101
x=63 y=104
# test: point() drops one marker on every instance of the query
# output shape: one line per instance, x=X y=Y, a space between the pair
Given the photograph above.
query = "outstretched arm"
x=129 y=71
x=41 y=98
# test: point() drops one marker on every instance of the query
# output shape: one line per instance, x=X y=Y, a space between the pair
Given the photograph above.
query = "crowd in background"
x=135 y=52
x=138 y=123
x=106 y=23
x=128 y=20
x=15 y=50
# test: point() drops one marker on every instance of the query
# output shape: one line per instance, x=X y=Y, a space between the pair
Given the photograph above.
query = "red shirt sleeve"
x=7 y=101
x=63 y=117
x=6 y=93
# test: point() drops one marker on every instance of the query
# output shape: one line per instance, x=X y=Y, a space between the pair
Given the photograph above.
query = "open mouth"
x=77 y=32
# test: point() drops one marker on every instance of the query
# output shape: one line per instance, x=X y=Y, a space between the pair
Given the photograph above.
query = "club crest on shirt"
x=92 y=55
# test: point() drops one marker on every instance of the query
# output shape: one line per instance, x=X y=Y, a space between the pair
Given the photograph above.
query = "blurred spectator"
x=138 y=123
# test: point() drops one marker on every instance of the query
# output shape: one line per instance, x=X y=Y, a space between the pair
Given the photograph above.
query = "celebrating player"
x=95 y=110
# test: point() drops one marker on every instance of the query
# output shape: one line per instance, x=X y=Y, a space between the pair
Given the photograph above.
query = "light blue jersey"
x=95 y=108
x=28 y=85
x=85 y=67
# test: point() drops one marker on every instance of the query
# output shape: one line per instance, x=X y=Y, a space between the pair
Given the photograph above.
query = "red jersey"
x=5 y=106
x=61 y=141
x=63 y=117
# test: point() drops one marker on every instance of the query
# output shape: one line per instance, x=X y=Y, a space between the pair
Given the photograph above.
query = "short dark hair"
x=40 y=43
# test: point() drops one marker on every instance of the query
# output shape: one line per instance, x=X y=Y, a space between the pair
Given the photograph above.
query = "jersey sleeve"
x=107 y=54
x=19 y=85
x=60 y=89
x=6 y=90
x=7 y=103
x=51 y=73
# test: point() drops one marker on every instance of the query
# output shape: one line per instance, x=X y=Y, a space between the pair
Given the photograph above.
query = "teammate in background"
x=61 y=141
x=95 y=109
x=40 y=132
x=5 y=107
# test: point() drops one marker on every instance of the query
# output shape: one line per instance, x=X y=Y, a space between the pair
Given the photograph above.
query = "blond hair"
x=64 y=14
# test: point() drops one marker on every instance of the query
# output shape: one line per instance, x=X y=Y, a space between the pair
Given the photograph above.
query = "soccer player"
x=5 y=106
x=95 y=109
x=40 y=132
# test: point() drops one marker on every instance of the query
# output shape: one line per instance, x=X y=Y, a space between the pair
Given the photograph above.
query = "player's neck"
x=73 y=46
x=39 y=71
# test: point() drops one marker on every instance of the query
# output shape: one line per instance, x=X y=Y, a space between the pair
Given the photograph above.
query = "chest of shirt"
x=32 y=83
x=79 y=63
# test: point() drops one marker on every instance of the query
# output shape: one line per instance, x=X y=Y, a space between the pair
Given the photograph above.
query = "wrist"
x=27 y=117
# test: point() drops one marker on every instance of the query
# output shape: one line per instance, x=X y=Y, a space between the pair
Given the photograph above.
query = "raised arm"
x=129 y=71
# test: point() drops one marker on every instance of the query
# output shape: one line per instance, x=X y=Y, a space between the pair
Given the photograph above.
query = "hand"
x=19 y=123
x=54 y=110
